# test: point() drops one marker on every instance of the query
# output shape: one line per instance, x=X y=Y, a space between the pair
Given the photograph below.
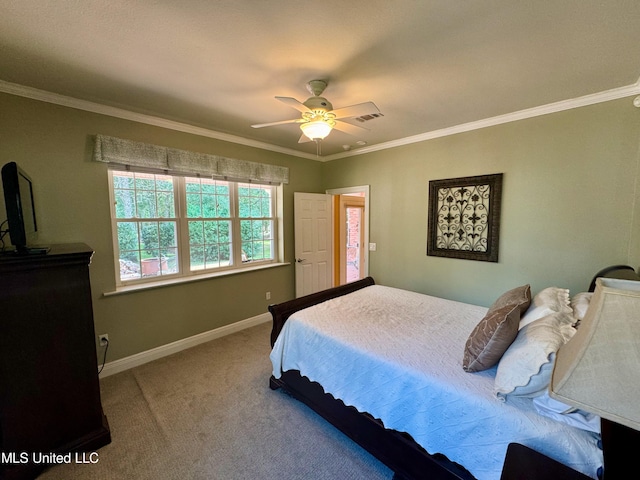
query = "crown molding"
x=63 y=100
x=66 y=101
x=592 y=99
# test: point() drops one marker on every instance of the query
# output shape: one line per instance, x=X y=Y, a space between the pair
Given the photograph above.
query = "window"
x=172 y=226
x=209 y=223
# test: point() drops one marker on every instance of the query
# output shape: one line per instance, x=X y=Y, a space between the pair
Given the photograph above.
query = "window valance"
x=143 y=155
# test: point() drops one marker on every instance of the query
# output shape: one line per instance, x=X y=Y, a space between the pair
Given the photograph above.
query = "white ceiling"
x=427 y=64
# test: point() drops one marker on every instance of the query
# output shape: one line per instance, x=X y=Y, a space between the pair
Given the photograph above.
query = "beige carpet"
x=208 y=413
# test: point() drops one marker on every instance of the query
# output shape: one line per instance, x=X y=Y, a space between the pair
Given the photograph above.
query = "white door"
x=312 y=216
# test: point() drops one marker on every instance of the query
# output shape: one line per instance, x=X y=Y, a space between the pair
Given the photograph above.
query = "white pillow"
x=534 y=313
x=525 y=368
x=546 y=302
x=580 y=303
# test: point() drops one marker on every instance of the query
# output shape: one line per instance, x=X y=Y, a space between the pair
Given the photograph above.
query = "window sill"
x=189 y=279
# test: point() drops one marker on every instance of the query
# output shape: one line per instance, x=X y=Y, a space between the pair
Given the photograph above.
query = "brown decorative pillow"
x=496 y=331
x=520 y=295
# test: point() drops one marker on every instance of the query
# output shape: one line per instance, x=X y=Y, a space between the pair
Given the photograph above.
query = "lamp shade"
x=316 y=130
x=598 y=370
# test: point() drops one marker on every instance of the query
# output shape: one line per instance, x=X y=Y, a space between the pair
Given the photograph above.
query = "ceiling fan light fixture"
x=316 y=130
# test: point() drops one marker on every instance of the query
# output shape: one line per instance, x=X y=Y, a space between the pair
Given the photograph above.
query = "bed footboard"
x=282 y=311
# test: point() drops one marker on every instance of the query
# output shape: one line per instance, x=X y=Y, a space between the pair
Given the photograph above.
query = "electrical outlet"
x=267 y=295
x=103 y=339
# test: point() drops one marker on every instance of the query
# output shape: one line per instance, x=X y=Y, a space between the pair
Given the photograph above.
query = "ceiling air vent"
x=366 y=118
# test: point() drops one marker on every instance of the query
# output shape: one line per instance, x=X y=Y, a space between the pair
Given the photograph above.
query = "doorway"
x=351 y=234
x=351 y=262
x=331 y=238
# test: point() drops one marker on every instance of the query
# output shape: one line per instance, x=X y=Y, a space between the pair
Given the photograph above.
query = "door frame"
x=357 y=189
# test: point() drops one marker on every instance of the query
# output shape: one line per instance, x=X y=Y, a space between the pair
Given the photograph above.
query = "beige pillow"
x=554 y=297
x=547 y=302
x=580 y=304
x=496 y=331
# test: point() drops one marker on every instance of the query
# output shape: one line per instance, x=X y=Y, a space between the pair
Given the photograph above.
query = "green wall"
x=569 y=208
x=567 y=205
x=54 y=145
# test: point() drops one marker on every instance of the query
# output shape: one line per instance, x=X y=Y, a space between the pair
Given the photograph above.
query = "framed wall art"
x=464 y=217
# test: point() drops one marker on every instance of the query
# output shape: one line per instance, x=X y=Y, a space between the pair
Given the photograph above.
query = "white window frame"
x=184 y=272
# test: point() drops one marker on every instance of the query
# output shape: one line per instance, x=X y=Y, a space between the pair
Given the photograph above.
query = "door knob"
x=300 y=260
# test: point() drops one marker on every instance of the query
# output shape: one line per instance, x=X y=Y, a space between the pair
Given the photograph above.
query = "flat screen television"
x=21 y=212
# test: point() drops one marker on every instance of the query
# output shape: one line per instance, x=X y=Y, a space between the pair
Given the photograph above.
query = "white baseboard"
x=141 y=358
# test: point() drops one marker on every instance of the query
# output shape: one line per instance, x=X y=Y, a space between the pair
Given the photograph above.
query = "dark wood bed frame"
x=395 y=449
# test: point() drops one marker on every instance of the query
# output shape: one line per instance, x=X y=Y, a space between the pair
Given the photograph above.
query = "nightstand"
x=522 y=463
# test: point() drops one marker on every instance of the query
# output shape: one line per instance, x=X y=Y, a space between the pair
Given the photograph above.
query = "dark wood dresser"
x=49 y=390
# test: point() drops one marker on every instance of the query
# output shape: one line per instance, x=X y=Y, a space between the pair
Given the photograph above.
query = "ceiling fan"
x=318 y=116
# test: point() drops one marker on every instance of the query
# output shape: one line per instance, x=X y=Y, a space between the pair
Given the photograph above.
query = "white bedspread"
x=398 y=356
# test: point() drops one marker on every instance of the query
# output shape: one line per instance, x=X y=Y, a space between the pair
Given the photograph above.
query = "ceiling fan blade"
x=292 y=102
x=366 y=108
x=350 y=129
x=282 y=122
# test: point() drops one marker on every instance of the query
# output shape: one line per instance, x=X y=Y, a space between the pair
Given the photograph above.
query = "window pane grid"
x=213 y=214
x=210 y=244
x=147 y=248
x=255 y=201
x=207 y=198
x=143 y=195
x=257 y=239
